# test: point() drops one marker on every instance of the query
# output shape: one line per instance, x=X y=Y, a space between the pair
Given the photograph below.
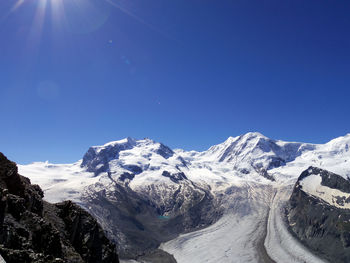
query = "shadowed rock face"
x=97 y=160
x=174 y=177
x=322 y=227
x=32 y=230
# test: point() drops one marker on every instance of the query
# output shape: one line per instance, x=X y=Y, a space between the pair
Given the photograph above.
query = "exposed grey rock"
x=133 y=168
x=175 y=177
x=149 y=217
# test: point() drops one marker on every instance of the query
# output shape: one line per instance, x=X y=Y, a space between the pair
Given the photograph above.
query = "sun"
x=77 y=16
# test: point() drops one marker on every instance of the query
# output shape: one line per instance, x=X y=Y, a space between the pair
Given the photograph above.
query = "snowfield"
x=59 y=181
x=251 y=175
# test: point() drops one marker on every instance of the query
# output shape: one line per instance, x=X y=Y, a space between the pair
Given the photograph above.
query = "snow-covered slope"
x=155 y=187
x=333 y=156
x=59 y=181
x=312 y=185
x=251 y=156
x=256 y=150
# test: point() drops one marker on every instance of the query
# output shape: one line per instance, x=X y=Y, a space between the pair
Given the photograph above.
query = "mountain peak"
x=253 y=135
x=126 y=141
x=253 y=152
x=97 y=159
x=245 y=136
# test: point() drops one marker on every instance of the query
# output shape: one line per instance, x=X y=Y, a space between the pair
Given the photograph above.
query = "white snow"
x=124 y=142
x=312 y=185
x=333 y=156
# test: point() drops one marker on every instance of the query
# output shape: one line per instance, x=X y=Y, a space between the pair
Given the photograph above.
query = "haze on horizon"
x=186 y=73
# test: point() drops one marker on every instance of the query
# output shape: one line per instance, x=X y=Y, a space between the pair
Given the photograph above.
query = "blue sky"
x=188 y=73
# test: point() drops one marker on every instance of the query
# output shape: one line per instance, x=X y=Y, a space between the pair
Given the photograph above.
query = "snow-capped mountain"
x=143 y=190
x=257 y=150
x=126 y=159
x=251 y=153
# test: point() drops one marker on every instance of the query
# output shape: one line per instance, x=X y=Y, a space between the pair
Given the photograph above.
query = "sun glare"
x=17 y=4
x=76 y=16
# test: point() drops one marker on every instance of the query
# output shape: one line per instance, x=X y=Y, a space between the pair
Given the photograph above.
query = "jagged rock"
x=176 y=177
x=32 y=230
x=126 y=176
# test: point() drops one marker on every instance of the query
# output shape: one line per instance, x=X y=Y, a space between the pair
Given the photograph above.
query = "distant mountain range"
x=235 y=202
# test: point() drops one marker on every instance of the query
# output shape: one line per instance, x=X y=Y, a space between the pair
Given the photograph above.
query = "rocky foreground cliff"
x=319 y=213
x=32 y=230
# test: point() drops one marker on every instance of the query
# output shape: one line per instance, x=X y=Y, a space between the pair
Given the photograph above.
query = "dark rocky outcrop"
x=126 y=176
x=32 y=230
x=165 y=151
x=175 y=177
x=323 y=228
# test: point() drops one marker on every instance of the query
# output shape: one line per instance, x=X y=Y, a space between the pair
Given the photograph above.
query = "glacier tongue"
x=252 y=229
